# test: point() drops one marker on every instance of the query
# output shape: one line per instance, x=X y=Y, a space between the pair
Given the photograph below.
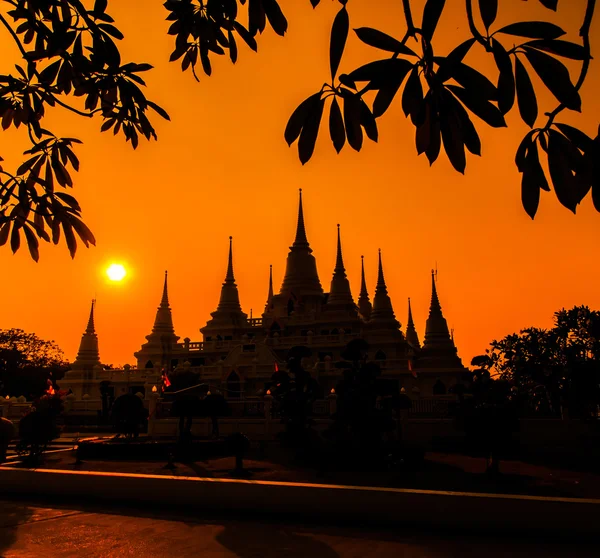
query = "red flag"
x=414 y=374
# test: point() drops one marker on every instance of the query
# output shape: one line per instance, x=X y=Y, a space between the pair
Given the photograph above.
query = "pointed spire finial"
x=229 y=276
x=90 y=326
x=165 y=296
x=364 y=304
x=411 y=333
x=380 y=277
x=300 y=229
x=339 y=261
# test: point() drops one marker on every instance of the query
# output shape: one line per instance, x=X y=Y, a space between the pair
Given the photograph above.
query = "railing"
x=429 y=407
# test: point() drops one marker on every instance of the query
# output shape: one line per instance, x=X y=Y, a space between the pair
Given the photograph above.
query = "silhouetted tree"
x=68 y=49
x=555 y=368
x=27 y=363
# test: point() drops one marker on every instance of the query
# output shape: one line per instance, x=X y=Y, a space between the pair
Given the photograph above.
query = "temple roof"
x=88 y=354
x=382 y=305
x=437 y=335
x=301 y=278
x=411 y=333
x=364 y=304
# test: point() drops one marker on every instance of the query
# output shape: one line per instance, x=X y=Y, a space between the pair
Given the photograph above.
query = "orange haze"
x=221 y=168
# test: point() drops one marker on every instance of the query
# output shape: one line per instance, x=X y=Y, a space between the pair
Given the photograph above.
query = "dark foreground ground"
x=32 y=530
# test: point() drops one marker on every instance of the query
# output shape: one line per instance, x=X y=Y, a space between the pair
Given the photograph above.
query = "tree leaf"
x=562 y=177
x=275 y=16
x=4 y=231
x=555 y=77
x=246 y=36
x=352 y=120
x=550 y=4
x=412 y=97
x=431 y=14
x=479 y=106
x=32 y=243
x=565 y=49
x=533 y=179
x=382 y=41
x=15 y=239
x=299 y=117
x=579 y=138
x=489 y=11
x=367 y=121
x=452 y=138
x=339 y=34
x=448 y=63
x=256 y=17
x=506 y=80
x=469 y=134
x=533 y=30
x=336 y=126
x=384 y=98
x=530 y=193
x=471 y=79
x=310 y=131
x=382 y=73
x=528 y=107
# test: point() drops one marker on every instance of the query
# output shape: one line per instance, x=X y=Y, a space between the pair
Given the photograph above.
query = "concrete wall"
x=328 y=503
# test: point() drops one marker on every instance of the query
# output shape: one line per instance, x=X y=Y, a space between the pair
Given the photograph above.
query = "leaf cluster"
x=447 y=99
x=68 y=51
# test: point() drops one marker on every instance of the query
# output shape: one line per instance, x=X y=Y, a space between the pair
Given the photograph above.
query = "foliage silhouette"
x=555 y=369
x=70 y=50
x=27 y=363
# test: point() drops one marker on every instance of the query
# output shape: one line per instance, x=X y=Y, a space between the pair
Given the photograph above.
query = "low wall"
x=328 y=503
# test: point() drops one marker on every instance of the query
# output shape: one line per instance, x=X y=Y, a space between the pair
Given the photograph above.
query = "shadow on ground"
x=12 y=514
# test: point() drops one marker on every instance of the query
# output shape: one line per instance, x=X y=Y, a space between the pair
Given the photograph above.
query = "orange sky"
x=222 y=167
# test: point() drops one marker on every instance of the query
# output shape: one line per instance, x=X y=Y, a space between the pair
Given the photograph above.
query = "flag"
x=410 y=367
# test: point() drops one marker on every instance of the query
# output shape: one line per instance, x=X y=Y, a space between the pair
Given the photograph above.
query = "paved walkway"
x=30 y=531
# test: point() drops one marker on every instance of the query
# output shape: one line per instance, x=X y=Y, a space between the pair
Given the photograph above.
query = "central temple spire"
x=88 y=354
x=230 y=298
x=301 y=240
x=163 y=323
x=340 y=295
x=301 y=280
x=437 y=335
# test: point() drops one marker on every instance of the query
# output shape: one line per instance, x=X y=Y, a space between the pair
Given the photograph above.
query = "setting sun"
x=116 y=272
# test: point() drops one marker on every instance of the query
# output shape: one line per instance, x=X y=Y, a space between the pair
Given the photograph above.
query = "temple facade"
x=238 y=354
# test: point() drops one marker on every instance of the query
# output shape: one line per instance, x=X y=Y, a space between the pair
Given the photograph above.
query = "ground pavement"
x=32 y=530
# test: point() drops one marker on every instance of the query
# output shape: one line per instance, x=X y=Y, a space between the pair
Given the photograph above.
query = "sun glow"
x=116 y=272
